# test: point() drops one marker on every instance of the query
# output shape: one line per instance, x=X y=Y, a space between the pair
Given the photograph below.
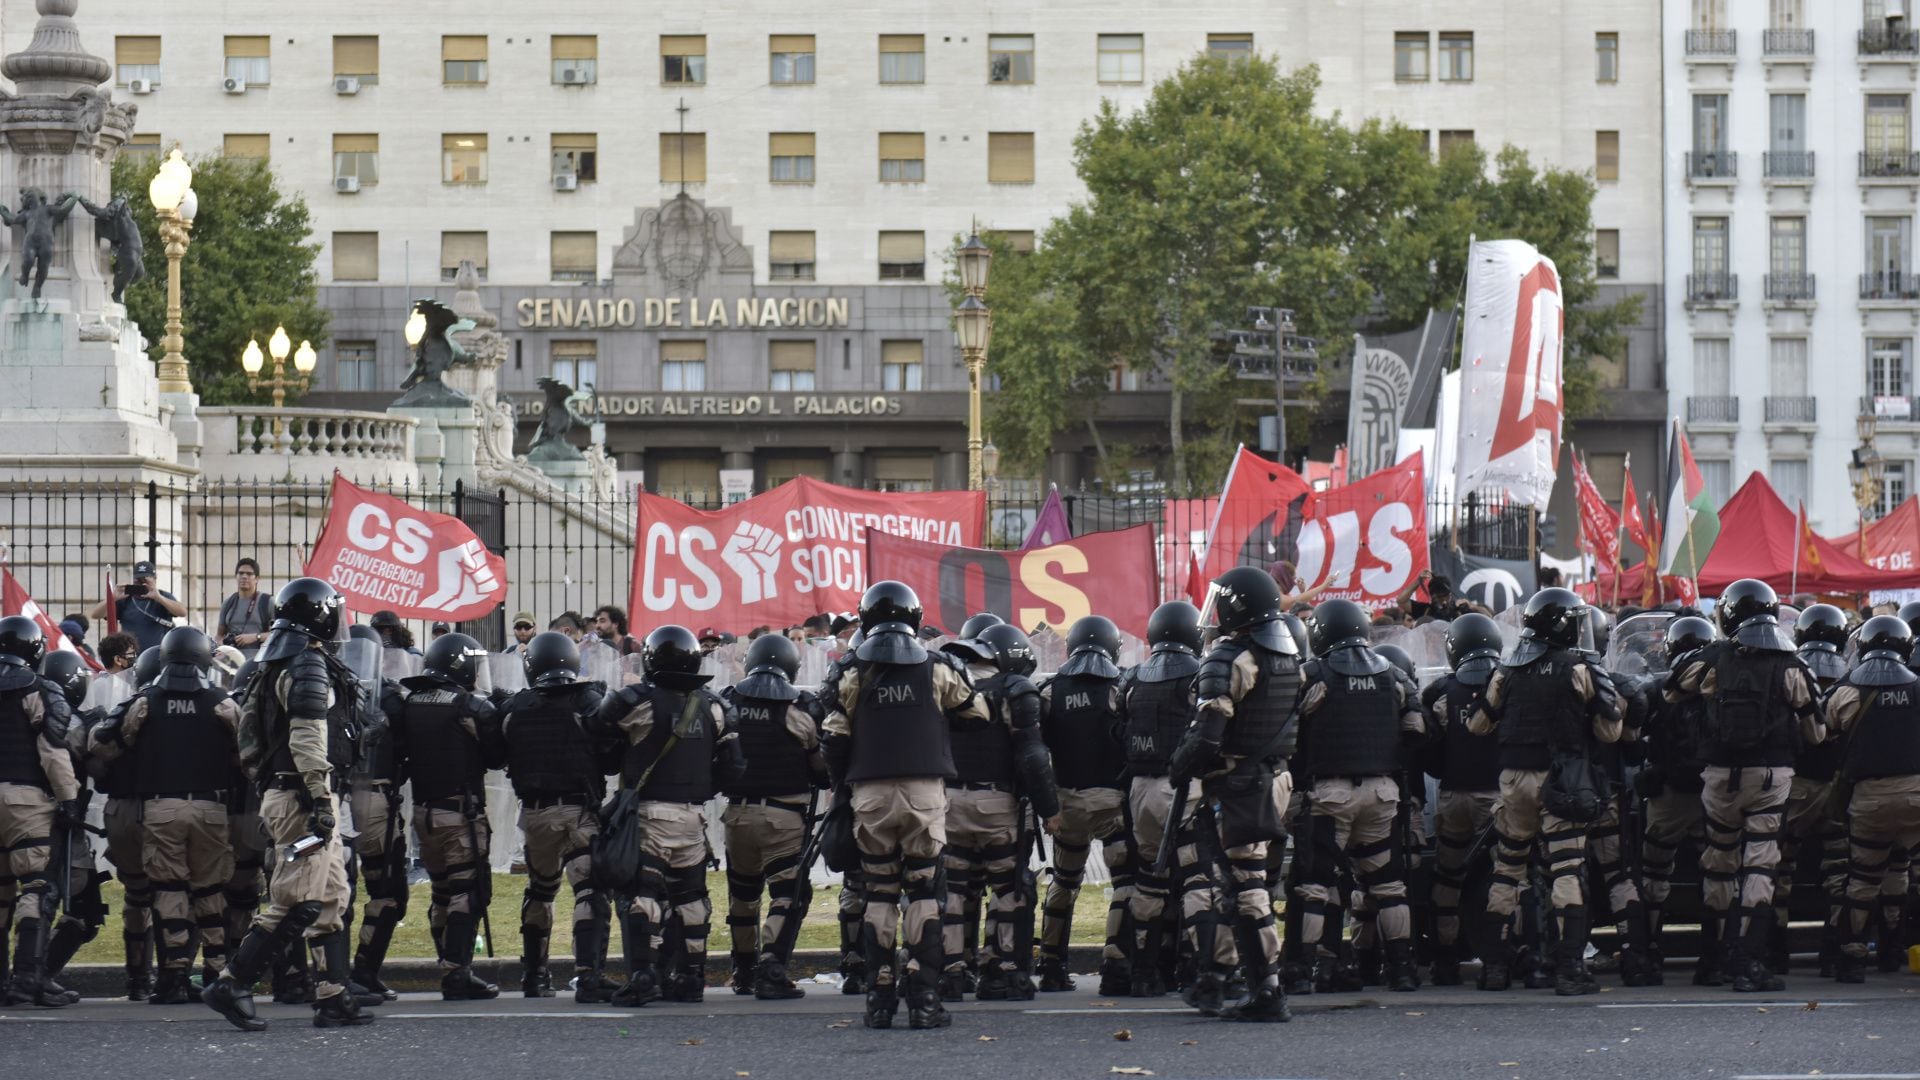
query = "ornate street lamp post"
x=973 y=325
x=278 y=346
x=174 y=200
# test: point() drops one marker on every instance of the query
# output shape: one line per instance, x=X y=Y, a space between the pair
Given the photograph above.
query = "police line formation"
x=1196 y=769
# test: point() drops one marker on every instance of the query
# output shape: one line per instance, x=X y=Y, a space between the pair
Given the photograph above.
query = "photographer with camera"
x=144 y=610
x=246 y=612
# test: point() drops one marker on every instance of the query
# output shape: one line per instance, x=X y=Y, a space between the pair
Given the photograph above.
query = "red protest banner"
x=782 y=556
x=1258 y=509
x=1104 y=573
x=1367 y=541
x=383 y=553
x=1599 y=524
x=16 y=600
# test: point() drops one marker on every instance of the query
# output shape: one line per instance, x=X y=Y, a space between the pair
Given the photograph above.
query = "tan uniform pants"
x=1743 y=808
x=121 y=817
x=1609 y=857
x=1806 y=822
x=1458 y=819
x=900 y=826
x=1518 y=820
x=455 y=855
x=1357 y=818
x=320 y=876
x=673 y=877
x=1673 y=819
x=1205 y=909
x=26 y=833
x=1884 y=814
x=1086 y=815
x=189 y=860
x=763 y=851
x=379 y=847
x=982 y=829
x=559 y=846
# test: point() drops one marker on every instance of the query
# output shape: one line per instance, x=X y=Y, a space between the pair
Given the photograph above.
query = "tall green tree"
x=249 y=268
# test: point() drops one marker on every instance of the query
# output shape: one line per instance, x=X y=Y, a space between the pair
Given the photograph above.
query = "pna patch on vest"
x=898 y=694
x=1361 y=682
x=1903 y=698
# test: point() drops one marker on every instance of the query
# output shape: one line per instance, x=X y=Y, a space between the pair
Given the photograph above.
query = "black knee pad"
x=686 y=885
x=302 y=915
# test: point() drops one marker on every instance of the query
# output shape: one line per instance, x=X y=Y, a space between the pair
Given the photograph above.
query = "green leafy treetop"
x=249 y=268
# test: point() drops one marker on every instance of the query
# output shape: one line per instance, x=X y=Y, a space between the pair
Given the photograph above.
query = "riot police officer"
x=39 y=795
x=435 y=731
x=1157 y=702
x=547 y=737
x=851 y=903
x=1468 y=769
x=1762 y=710
x=1548 y=705
x=183 y=735
x=769 y=809
x=1237 y=746
x=886 y=737
x=980 y=665
x=1671 y=783
x=1360 y=719
x=297 y=739
x=1819 y=637
x=380 y=834
x=120 y=815
x=679 y=753
x=1080 y=722
x=1877 y=708
x=85 y=912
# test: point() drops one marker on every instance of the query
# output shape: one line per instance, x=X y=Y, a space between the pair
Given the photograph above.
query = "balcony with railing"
x=1899 y=166
x=261 y=443
x=1895 y=286
x=1713 y=287
x=1791 y=44
x=1882 y=43
x=1711 y=45
x=1787 y=166
x=1793 y=288
x=1712 y=166
x=1791 y=410
x=1713 y=410
x=1891 y=408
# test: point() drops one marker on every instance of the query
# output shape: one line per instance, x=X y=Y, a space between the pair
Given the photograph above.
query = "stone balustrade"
x=307 y=445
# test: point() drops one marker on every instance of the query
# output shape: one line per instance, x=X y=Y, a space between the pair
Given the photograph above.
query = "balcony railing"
x=1787 y=164
x=1789 y=288
x=1711 y=43
x=1899 y=164
x=1713 y=410
x=258 y=442
x=1712 y=164
x=1890 y=285
x=1896 y=407
x=1787 y=42
x=1790 y=410
x=1885 y=42
x=1718 y=286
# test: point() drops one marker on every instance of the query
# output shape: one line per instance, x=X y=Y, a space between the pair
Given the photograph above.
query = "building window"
x=903 y=256
x=358 y=157
x=575 y=363
x=1888 y=125
x=1718 y=474
x=683 y=158
x=463 y=60
x=142 y=144
x=790 y=365
x=356 y=256
x=246 y=146
x=683 y=366
x=1710 y=246
x=576 y=59
x=1606 y=58
x=1456 y=57
x=577 y=155
x=903 y=157
x=1606 y=155
x=1789 y=135
x=791 y=155
x=1712 y=371
x=1787 y=246
x=901 y=364
x=1010 y=157
x=694 y=481
x=1787 y=367
x=903 y=58
x=358 y=57
x=463 y=159
x=249 y=60
x=1889 y=256
x=574 y=256
x=683 y=59
x=1709 y=123
x=1010 y=58
x=136 y=58
x=459 y=247
x=1122 y=58
x=1889 y=367
x=901 y=472
x=1785 y=15
x=1606 y=254
x=1230 y=46
x=1123 y=378
x=1893 y=488
x=1018 y=241
x=790 y=256
x=1410 y=57
x=1454 y=140
x=791 y=57
x=355 y=366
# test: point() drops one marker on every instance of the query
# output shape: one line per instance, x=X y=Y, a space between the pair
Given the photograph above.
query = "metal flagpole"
x=1620 y=527
x=1799 y=530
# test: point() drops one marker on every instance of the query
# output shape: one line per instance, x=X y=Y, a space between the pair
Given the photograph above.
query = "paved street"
x=1435 y=1033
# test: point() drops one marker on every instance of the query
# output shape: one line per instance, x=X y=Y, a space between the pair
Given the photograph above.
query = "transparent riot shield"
x=1133 y=650
x=1639 y=644
x=108 y=691
x=1426 y=644
x=1049 y=649
x=633 y=669
x=1509 y=623
x=724 y=666
x=396 y=664
x=507 y=672
x=814 y=660
x=601 y=663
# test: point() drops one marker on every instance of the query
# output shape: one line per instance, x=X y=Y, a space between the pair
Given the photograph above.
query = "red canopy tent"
x=1760 y=538
x=1633 y=583
x=1893 y=542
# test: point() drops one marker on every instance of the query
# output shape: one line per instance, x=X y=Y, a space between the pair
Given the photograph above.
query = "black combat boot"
x=1054 y=977
x=172 y=987
x=292 y=981
x=1265 y=1003
x=1145 y=976
x=924 y=1011
x=1207 y=995
x=1496 y=967
x=994 y=983
x=29 y=984
x=1570 y=975
x=372 y=955
x=1446 y=963
x=1779 y=958
x=1636 y=959
x=536 y=980
x=1752 y=975
x=589 y=984
x=1829 y=949
x=1401 y=974
x=139 y=965
x=1889 y=951
x=741 y=982
x=65 y=941
x=342 y=1009
x=853 y=962
x=883 y=1000
x=461 y=984
x=1706 y=967
x=232 y=994
x=1366 y=963
x=770 y=982
x=1848 y=968
x=643 y=978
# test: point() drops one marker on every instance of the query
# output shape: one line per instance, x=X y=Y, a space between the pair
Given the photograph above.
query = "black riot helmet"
x=1399 y=658
x=1297 y=628
x=672 y=658
x=1909 y=613
x=1886 y=634
x=1094 y=632
x=1012 y=651
x=1245 y=596
x=551 y=659
x=455 y=658
x=1473 y=636
x=1175 y=625
x=1744 y=600
x=21 y=639
x=310 y=606
x=147 y=667
x=1338 y=624
x=1554 y=617
x=186 y=656
x=1686 y=634
x=889 y=607
x=1600 y=627
x=67 y=670
x=1823 y=625
x=363 y=632
x=971 y=629
x=772 y=652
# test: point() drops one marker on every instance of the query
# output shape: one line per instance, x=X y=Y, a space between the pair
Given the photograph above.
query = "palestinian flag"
x=1690 y=522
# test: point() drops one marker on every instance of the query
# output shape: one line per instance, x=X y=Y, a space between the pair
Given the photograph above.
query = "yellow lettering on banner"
x=1035 y=575
x=525 y=310
x=789 y=312
x=623 y=312
x=673 y=312
x=656 y=311
x=837 y=310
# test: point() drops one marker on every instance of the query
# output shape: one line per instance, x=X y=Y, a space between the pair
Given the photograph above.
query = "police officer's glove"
x=1649 y=782
x=320 y=820
x=1633 y=752
x=1193 y=757
x=72 y=814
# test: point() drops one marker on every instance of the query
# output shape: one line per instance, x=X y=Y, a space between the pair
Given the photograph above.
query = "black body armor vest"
x=776 y=762
x=1543 y=712
x=1472 y=761
x=1262 y=724
x=1885 y=740
x=1748 y=719
x=183 y=745
x=19 y=752
x=1157 y=715
x=1079 y=728
x=685 y=772
x=549 y=753
x=443 y=760
x=985 y=756
x=899 y=729
x=1356 y=730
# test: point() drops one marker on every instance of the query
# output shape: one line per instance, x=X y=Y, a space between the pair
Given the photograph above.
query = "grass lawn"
x=821 y=930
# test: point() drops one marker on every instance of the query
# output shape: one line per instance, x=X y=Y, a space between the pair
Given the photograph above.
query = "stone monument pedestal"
x=575 y=477
x=71 y=402
x=446 y=443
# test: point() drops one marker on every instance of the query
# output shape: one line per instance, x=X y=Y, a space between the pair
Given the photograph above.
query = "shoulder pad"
x=476 y=705
x=1216 y=674
x=950 y=660
x=1014 y=685
x=56 y=715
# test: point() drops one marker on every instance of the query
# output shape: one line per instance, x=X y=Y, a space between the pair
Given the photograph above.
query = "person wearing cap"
x=523 y=630
x=75 y=627
x=438 y=631
x=571 y=624
x=393 y=633
x=246 y=612
x=710 y=640
x=144 y=610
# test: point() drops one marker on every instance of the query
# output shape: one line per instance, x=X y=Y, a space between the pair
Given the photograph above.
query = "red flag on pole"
x=1633 y=521
x=1599 y=525
x=1196 y=581
x=113 y=609
x=16 y=600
